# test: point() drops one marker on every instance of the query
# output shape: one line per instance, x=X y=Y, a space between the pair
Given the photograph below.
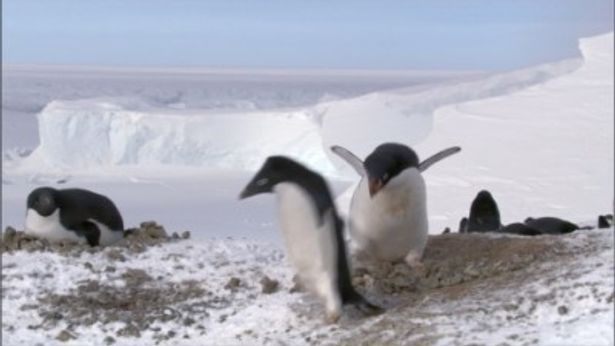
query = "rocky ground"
x=153 y=287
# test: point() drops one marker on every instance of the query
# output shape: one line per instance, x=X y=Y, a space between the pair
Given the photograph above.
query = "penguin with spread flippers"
x=388 y=210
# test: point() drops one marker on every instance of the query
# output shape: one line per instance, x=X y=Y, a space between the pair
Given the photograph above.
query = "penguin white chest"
x=48 y=227
x=310 y=245
x=393 y=223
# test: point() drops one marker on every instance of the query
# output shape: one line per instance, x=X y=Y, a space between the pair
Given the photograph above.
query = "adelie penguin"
x=484 y=215
x=73 y=214
x=312 y=232
x=388 y=211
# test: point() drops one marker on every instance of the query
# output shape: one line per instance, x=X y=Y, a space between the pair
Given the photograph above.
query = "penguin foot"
x=332 y=317
x=415 y=263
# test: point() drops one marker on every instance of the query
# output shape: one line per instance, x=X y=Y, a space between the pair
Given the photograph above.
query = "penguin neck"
x=318 y=192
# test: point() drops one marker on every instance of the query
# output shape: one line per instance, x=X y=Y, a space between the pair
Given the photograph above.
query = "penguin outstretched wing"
x=350 y=158
x=438 y=157
x=357 y=163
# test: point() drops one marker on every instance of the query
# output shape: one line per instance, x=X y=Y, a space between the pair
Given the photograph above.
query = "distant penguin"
x=551 y=225
x=520 y=229
x=73 y=214
x=463 y=225
x=312 y=231
x=484 y=214
x=388 y=211
x=605 y=221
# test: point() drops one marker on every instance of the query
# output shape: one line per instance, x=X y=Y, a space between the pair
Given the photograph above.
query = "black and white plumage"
x=73 y=214
x=388 y=211
x=312 y=232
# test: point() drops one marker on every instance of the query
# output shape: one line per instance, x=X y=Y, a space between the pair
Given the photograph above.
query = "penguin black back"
x=484 y=214
x=76 y=206
x=551 y=225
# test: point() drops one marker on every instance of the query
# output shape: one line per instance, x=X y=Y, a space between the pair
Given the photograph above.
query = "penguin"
x=605 y=221
x=73 y=214
x=312 y=232
x=484 y=214
x=388 y=211
x=520 y=229
x=551 y=225
x=463 y=225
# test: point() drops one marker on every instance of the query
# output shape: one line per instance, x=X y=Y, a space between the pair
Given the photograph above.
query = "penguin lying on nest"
x=73 y=214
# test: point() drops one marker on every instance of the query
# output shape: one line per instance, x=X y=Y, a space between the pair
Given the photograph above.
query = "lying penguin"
x=552 y=225
x=388 y=212
x=312 y=232
x=73 y=214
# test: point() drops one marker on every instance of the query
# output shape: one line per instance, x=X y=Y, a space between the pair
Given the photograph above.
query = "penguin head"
x=275 y=170
x=386 y=162
x=43 y=201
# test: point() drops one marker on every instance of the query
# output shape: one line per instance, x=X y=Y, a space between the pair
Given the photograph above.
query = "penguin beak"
x=249 y=191
x=256 y=186
x=375 y=185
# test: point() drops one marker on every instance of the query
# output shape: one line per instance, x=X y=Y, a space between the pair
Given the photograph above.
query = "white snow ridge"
x=98 y=133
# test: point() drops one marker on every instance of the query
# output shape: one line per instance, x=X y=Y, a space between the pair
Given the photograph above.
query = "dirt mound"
x=136 y=240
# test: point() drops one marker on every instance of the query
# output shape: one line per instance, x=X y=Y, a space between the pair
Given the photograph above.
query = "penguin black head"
x=43 y=201
x=281 y=169
x=386 y=162
x=275 y=170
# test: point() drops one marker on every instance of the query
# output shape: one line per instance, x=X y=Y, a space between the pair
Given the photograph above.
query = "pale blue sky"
x=387 y=34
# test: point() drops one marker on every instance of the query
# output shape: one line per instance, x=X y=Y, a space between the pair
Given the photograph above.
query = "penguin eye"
x=262 y=181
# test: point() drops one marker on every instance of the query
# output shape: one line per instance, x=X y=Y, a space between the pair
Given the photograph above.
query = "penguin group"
x=485 y=217
x=387 y=220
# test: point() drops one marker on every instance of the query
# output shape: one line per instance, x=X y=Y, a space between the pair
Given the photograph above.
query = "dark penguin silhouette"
x=520 y=229
x=551 y=225
x=73 y=214
x=484 y=214
x=605 y=221
x=312 y=231
x=463 y=225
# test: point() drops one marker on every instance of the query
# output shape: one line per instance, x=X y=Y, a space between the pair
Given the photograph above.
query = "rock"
x=562 y=310
x=185 y=234
x=136 y=277
x=116 y=255
x=129 y=330
x=233 y=284
x=109 y=340
x=65 y=336
x=9 y=234
x=268 y=285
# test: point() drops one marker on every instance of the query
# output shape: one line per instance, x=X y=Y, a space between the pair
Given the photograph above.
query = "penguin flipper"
x=350 y=158
x=438 y=157
x=88 y=230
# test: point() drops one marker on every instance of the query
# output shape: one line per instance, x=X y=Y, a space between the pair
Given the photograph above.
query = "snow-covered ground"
x=540 y=139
